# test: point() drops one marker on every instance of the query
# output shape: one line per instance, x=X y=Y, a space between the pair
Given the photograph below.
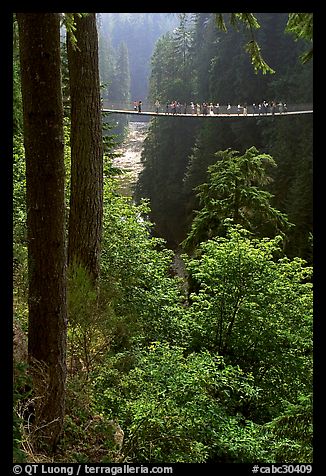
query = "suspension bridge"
x=221 y=111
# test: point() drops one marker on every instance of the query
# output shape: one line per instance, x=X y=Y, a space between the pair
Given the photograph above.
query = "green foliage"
x=293 y=180
x=301 y=26
x=176 y=407
x=135 y=272
x=248 y=19
x=88 y=436
x=233 y=191
x=257 y=60
x=292 y=431
x=252 y=47
x=19 y=189
x=256 y=311
x=20 y=267
x=69 y=20
x=89 y=333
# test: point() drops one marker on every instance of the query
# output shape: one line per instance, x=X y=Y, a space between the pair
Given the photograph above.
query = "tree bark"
x=39 y=37
x=86 y=199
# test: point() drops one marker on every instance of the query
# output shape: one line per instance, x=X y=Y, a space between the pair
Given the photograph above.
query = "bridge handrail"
x=150 y=107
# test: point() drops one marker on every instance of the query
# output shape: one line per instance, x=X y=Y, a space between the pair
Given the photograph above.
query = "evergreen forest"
x=174 y=325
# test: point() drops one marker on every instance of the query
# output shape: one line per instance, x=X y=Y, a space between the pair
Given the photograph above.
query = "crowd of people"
x=208 y=108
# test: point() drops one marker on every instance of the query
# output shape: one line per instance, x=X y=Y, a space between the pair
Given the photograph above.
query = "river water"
x=129 y=161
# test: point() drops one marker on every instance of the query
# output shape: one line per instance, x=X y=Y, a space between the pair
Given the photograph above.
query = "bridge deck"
x=211 y=116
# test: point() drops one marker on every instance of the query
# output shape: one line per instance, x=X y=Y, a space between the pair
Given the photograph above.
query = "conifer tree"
x=235 y=190
x=86 y=198
x=39 y=37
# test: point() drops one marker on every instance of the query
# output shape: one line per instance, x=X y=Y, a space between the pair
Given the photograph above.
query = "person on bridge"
x=245 y=110
x=217 y=108
x=265 y=107
x=204 y=108
x=273 y=108
x=139 y=106
x=228 y=109
x=135 y=105
x=280 y=107
x=157 y=106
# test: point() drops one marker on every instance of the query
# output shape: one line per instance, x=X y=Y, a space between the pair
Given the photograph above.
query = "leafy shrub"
x=180 y=408
x=144 y=297
x=256 y=311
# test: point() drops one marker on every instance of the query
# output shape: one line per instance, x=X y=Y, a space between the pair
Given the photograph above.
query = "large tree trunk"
x=86 y=199
x=39 y=37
